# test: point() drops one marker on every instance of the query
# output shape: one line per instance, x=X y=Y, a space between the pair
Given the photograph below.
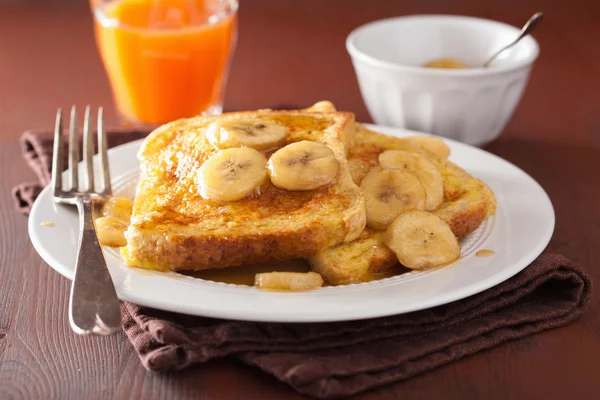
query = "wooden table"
x=292 y=52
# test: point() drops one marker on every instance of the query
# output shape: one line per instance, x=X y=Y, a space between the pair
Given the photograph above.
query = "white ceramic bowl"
x=471 y=105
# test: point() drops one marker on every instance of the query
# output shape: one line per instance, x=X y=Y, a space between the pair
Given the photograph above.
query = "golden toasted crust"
x=361 y=260
x=467 y=202
x=174 y=228
x=467 y=210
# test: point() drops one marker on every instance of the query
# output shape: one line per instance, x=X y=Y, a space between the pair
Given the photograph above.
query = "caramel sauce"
x=450 y=63
x=397 y=270
x=244 y=275
x=380 y=276
x=485 y=253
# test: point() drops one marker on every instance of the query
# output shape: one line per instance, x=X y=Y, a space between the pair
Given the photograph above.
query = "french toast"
x=174 y=228
x=467 y=202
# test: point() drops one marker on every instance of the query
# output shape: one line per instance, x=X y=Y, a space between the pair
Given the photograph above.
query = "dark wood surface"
x=292 y=52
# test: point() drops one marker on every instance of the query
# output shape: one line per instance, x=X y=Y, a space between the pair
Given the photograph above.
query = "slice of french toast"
x=467 y=202
x=173 y=227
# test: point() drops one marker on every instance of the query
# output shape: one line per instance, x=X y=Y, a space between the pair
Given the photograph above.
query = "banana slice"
x=289 y=281
x=423 y=168
x=111 y=231
x=302 y=165
x=388 y=192
x=421 y=240
x=231 y=174
x=258 y=133
x=323 y=106
x=118 y=207
x=428 y=144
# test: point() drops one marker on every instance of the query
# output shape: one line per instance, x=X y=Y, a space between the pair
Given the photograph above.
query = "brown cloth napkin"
x=36 y=147
x=336 y=360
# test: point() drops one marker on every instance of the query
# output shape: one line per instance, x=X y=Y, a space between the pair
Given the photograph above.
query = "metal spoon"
x=526 y=30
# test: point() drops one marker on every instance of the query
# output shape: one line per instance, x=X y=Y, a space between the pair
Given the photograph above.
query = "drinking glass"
x=166 y=59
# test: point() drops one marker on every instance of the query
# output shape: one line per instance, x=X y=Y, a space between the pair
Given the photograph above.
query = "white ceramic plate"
x=518 y=233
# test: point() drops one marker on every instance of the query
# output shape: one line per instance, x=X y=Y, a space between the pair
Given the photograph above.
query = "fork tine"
x=57 y=159
x=88 y=150
x=73 y=150
x=102 y=146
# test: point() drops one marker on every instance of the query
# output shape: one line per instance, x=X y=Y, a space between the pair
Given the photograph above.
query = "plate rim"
x=440 y=299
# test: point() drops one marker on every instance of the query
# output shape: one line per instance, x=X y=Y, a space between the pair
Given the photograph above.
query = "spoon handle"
x=526 y=30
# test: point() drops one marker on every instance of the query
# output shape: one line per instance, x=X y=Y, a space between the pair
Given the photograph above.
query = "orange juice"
x=166 y=59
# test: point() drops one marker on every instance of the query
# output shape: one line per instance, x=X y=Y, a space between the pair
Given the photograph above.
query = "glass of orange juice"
x=166 y=59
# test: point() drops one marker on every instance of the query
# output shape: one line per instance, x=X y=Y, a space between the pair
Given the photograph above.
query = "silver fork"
x=93 y=306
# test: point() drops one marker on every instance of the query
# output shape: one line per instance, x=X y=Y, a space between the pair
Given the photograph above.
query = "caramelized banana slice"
x=232 y=174
x=118 y=207
x=423 y=168
x=428 y=144
x=289 y=281
x=111 y=231
x=258 y=133
x=303 y=165
x=388 y=192
x=323 y=106
x=421 y=240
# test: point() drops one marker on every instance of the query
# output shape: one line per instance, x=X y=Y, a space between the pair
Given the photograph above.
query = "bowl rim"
x=466 y=72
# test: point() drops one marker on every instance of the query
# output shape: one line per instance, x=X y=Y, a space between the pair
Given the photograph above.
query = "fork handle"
x=94 y=306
